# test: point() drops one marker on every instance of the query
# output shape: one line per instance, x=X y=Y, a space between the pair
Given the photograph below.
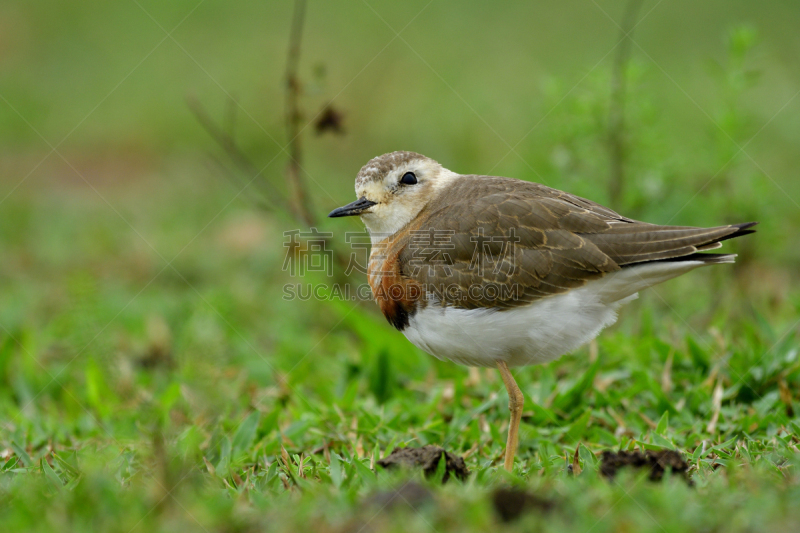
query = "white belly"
x=537 y=333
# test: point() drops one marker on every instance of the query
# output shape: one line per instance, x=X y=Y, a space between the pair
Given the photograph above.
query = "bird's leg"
x=515 y=401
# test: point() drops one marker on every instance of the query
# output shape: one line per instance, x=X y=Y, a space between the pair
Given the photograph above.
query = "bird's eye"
x=408 y=179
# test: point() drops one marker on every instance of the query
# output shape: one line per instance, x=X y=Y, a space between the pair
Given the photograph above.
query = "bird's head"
x=392 y=189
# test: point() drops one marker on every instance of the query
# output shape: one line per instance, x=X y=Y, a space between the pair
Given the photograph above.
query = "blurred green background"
x=140 y=292
x=106 y=174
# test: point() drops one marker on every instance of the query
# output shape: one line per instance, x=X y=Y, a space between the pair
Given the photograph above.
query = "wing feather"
x=511 y=242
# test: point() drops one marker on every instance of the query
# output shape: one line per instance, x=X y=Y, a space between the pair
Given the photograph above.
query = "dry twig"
x=270 y=198
x=294 y=117
x=616 y=115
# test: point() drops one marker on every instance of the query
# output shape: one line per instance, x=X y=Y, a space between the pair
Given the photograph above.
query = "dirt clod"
x=657 y=462
x=427 y=458
x=511 y=503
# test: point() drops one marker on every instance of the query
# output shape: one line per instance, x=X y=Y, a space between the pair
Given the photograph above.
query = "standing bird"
x=491 y=271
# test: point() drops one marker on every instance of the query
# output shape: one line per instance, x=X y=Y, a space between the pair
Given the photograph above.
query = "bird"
x=499 y=272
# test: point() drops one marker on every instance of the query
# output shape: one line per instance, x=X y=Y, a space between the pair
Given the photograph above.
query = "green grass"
x=172 y=407
x=152 y=377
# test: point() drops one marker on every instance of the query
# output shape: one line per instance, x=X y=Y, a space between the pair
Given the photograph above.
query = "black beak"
x=353 y=208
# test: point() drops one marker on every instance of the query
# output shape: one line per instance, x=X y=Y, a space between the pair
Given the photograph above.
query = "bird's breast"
x=397 y=296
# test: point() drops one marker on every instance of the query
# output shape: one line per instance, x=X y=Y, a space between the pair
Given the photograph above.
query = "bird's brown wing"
x=501 y=243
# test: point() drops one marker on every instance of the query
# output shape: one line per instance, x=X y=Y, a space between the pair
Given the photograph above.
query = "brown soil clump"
x=657 y=462
x=426 y=458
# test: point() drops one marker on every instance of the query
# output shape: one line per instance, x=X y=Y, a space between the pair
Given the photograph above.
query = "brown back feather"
x=562 y=242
